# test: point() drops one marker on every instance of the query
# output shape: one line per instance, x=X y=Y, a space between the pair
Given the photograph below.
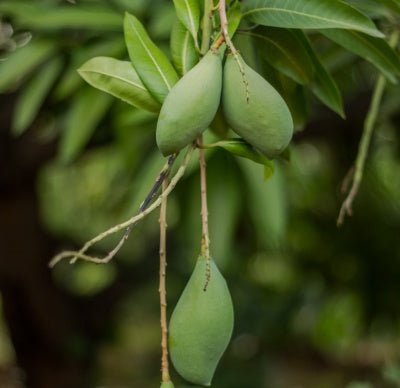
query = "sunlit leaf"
x=119 y=79
x=151 y=64
x=188 y=12
x=183 y=51
x=308 y=14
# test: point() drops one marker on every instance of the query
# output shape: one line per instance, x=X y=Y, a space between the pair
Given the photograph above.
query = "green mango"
x=257 y=113
x=167 y=384
x=201 y=324
x=191 y=105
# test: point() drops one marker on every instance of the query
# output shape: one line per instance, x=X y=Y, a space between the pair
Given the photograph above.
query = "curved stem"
x=369 y=125
x=162 y=288
x=81 y=253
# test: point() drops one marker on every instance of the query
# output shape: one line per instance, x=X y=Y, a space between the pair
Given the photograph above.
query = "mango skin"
x=166 y=384
x=201 y=325
x=264 y=120
x=190 y=106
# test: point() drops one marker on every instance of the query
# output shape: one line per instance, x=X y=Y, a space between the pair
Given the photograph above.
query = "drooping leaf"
x=323 y=86
x=119 y=79
x=234 y=16
x=34 y=94
x=284 y=51
x=151 y=64
x=241 y=148
x=32 y=15
x=183 y=51
x=88 y=109
x=308 y=14
x=188 y=12
x=375 y=50
x=393 y=5
x=372 y=8
x=19 y=63
x=70 y=80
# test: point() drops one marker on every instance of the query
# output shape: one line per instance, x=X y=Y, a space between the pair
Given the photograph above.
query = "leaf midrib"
x=116 y=77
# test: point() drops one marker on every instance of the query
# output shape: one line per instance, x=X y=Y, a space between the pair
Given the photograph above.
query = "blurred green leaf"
x=33 y=95
x=308 y=14
x=87 y=111
x=393 y=5
x=323 y=86
x=151 y=64
x=30 y=14
x=234 y=16
x=188 y=12
x=71 y=81
x=183 y=51
x=22 y=61
x=284 y=51
x=119 y=79
x=375 y=50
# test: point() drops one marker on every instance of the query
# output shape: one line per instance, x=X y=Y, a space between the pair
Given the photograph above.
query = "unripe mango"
x=201 y=324
x=190 y=106
x=256 y=112
x=167 y=384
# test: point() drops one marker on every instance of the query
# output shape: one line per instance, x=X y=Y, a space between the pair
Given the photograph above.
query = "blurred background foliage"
x=316 y=306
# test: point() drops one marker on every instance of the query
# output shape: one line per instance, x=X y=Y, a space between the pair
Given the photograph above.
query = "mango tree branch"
x=81 y=254
x=162 y=288
x=369 y=125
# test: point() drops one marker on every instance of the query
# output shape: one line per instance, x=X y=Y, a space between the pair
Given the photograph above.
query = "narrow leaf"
x=34 y=94
x=183 y=51
x=188 y=12
x=234 y=17
x=151 y=64
x=241 y=148
x=19 y=63
x=88 y=109
x=308 y=14
x=375 y=50
x=285 y=52
x=44 y=16
x=119 y=79
x=393 y=5
x=323 y=86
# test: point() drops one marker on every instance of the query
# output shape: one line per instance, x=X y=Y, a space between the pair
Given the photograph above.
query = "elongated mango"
x=190 y=106
x=201 y=324
x=257 y=112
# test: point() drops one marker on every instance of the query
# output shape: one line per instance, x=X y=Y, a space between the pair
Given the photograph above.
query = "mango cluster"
x=252 y=107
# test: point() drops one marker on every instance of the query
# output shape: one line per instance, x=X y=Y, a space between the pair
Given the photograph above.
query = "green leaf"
x=71 y=81
x=22 y=61
x=119 y=79
x=372 y=8
x=323 y=86
x=183 y=51
x=393 y=5
x=308 y=14
x=34 y=94
x=234 y=16
x=188 y=12
x=151 y=64
x=44 y=16
x=375 y=50
x=284 y=51
x=241 y=148
x=88 y=109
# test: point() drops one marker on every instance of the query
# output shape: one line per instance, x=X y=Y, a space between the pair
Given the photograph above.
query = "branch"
x=127 y=224
x=162 y=289
x=369 y=125
x=205 y=238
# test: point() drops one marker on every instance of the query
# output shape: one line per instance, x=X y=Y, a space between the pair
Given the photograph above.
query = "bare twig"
x=369 y=125
x=127 y=224
x=205 y=239
x=162 y=289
